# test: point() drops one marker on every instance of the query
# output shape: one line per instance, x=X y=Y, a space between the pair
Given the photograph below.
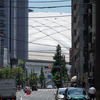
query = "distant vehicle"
x=7 y=89
x=75 y=93
x=34 y=87
x=55 y=87
x=26 y=89
x=49 y=87
x=59 y=94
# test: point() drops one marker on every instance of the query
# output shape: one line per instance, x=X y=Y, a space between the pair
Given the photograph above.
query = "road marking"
x=21 y=98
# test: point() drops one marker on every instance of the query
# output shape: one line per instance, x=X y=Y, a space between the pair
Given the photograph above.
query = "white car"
x=49 y=87
x=59 y=94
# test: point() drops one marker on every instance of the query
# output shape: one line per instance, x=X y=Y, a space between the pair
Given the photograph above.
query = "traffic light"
x=47 y=66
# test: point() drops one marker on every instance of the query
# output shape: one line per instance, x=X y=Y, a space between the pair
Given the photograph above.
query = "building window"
x=74 y=6
x=1 y=13
x=74 y=32
x=74 y=19
x=85 y=1
x=1 y=23
x=2 y=5
x=74 y=44
x=1 y=31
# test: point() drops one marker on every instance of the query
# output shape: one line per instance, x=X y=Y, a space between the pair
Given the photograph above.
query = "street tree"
x=22 y=64
x=19 y=75
x=41 y=77
x=16 y=72
x=59 y=65
x=5 y=72
x=33 y=79
x=56 y=79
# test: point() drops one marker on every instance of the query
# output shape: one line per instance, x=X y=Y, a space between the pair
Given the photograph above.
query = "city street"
x=41 y=94
x=47 y=45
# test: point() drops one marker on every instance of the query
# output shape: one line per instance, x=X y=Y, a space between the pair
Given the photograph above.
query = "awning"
x=74 y=79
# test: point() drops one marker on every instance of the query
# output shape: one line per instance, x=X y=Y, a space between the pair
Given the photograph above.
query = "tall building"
x=14 y=27
x=83 y=40
x=97 y=50
x=89 y=41
x=77 y=40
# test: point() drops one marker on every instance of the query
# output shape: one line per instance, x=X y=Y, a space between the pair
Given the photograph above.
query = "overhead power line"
x=40 y=1
x=39 y=7
x=33 y=43
x=39 y=17
x=49 y=7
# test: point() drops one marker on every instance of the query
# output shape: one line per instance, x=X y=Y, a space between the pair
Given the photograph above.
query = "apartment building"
x=14 y=31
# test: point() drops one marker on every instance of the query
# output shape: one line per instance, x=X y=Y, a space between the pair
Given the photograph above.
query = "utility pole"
x=25 y=76
x=61 y=76
x=64 y=68
x=10 y=39
x=31 y=76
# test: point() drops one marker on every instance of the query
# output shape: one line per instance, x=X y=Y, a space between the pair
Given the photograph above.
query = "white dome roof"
x=46 y=31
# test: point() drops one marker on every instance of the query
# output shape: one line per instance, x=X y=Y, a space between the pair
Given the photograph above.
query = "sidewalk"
x=19 y=90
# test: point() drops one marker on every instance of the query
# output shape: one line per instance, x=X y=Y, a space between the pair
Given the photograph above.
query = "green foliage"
x=56 y=79
x=19 y=74
x=22 y=64
x=57 y=65
x=5 y=72
x=33 y=78
x=57 y=56
x=42 y=76
x=58 y=60
x=16 y=72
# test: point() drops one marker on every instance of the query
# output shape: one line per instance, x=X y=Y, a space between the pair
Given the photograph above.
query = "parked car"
x=26 y=88
x=34 y=87
x=49 y=87
x=75 y=93
x=59 y=94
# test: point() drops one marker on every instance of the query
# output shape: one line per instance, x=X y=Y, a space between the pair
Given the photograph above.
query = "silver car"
x=59 y=94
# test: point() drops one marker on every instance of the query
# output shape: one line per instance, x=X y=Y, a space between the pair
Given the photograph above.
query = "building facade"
x=90 y=70
x=83 y=41
x=14 y=28
x=77 y=40
x=35 y=65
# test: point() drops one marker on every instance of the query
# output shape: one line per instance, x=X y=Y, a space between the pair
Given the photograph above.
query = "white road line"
x=21 y=98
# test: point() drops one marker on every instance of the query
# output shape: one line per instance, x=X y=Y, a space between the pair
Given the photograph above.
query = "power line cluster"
x=48 y=6
x=40 y=1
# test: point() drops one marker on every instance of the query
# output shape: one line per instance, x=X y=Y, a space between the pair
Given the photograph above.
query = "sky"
x=50 y=3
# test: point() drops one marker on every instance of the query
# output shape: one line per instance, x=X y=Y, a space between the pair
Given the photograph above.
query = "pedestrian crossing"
x=43 y=93
x=47 y=89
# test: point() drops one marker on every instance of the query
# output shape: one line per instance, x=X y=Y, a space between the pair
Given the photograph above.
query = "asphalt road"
x=41 y=94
